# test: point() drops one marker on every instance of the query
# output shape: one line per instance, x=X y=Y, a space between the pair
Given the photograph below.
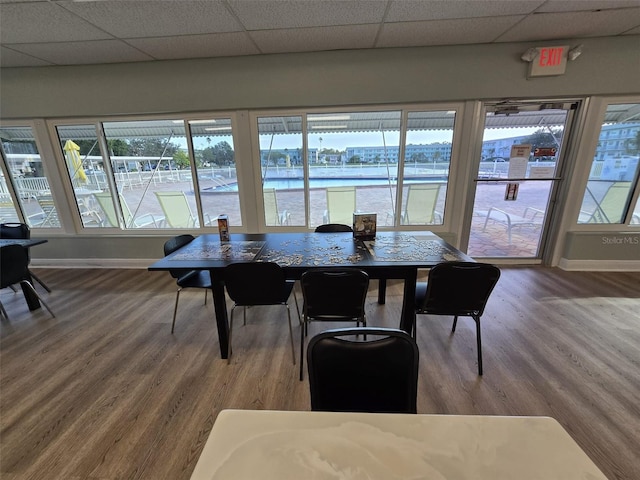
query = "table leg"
x=382 y=290
x=408 y=302
x=32 y=300
x=222 y=320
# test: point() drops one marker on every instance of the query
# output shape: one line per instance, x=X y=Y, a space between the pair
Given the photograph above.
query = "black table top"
x=301 y=251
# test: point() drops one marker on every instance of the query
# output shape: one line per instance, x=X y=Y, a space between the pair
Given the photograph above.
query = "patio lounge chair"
x=531 y=217
x=610 y=208
x=271 y=214
x=177 y=211
x=105 y=201
x=341 y=203
x=421 y=204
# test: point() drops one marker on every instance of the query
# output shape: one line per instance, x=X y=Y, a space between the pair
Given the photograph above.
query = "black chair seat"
x=458 y=289
x=251 y=284
x=195 y=279
x=14 y=266
x=186 y=278
x=363 y=370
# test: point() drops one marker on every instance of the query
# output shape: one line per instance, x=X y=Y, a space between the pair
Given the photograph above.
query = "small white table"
x=275 y=445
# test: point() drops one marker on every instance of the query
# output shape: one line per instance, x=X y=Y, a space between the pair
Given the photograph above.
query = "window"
x=32 y=192
x=427 y=158
x=614 y=170
x=321 y=167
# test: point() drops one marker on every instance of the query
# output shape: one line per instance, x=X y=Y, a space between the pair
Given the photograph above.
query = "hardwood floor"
x=105 y=391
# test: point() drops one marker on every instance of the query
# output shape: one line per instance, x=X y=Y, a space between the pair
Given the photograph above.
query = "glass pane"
x=614 y=169
x=152 y=173
x=79 y=144
x=353 y=165
x=32 y=186
x=426 y=167
x=635 y=218
x=509 y=215
x=282 y=166
x=216 y=168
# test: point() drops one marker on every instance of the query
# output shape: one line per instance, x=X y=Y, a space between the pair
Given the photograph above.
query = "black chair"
x=14 y=263
x=374 y=370
x=340 y=227
x=459 y=289
x=22 y=231
x=333 y=227
x=258 y=283
x=186 y=278
x=333 y=295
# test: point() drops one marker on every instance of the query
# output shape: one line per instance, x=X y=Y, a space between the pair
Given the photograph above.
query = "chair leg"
x=293 y=350
x=479 y=346
x=302 y=334
x=175 y=310
x=229 y=349
x=33 y=290
x=3 y=312
x=455 y=322
x=244 y=315
x=295 y=298
x=39 y=281
x=205 y=295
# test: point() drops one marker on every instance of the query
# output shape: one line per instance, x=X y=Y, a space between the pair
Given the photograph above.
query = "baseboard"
x=136 y=263
x=600 y=265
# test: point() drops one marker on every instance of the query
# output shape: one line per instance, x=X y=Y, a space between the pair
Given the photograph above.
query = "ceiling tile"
x=79 y=53
x=315 y=39
x=134 y=19
x=585 y=5
x=17 y=59
x=445 y=32
x=278 y=14
x=545 y=26
x=197 y=46
x=43 y=22
x=416 y=10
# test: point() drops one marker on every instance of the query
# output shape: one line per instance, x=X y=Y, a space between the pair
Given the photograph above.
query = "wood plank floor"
x=105 y=391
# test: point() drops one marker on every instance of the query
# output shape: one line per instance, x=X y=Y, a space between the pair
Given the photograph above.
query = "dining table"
x=32 y=300
x=276 y=445
x=390 y=255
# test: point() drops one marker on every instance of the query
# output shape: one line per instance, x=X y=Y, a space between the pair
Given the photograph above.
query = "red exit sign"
x=549 y=61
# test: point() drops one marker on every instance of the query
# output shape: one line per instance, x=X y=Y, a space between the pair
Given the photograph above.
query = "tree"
x=543 y=138
x=223 y=154
x=151 y=147
x=355 y=159
x=181 y=158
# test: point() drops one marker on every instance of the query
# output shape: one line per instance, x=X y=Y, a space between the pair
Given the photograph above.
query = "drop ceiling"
x=65 y=32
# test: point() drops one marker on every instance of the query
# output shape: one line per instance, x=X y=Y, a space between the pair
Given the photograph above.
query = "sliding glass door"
x=522 y=150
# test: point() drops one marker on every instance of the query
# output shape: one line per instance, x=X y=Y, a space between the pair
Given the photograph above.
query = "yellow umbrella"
x=72 y=152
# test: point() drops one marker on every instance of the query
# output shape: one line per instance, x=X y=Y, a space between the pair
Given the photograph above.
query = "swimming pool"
x=298 y=183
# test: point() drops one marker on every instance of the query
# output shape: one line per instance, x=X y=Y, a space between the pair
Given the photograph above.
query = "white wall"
x=608 y=66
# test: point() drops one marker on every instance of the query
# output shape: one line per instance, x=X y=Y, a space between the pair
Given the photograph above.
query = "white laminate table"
x=275 y=445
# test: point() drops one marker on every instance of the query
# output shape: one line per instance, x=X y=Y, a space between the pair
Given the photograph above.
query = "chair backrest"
x=176 y=209
x=271 y=214
x=255 y=283
x=422 y=199
x=49 y=209
x=333 y=227
x=15 y=230
x=174 y=244
x=374 y=370
x=459 y=288
x=14 y=265
x=333 y=294
x=341 y=203
x=105 y=201
x=611 y=208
